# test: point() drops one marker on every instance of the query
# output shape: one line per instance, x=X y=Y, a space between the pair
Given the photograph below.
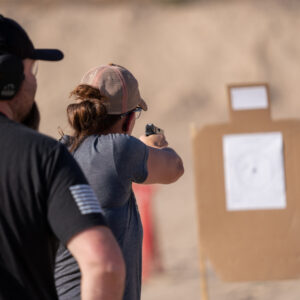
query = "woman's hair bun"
x=88 y=115
x=84 y=115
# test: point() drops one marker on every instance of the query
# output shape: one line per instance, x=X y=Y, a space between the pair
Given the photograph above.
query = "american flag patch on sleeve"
x=85 y=199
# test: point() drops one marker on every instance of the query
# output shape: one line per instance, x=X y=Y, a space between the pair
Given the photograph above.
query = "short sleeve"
x=72 y=205
x=131 y=155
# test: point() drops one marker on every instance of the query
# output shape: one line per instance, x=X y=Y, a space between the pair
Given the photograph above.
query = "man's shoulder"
x=37 y=138
x=18 y=135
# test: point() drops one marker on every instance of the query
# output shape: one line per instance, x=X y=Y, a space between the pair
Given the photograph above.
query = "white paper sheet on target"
x=254 y=171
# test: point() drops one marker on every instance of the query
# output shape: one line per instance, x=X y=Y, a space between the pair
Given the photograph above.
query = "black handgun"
x=152 y=129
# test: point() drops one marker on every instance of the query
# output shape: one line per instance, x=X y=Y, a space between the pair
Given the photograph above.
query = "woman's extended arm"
x=164 y=164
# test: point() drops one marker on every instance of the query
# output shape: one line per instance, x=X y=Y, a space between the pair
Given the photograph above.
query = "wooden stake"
x=203 y=276
x=202 y=258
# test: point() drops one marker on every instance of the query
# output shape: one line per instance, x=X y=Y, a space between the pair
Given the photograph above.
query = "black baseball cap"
x=14 y=40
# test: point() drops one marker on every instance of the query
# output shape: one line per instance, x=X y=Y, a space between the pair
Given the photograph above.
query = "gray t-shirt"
x=111 y=163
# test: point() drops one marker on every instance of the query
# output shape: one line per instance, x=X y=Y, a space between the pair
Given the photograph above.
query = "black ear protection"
x=11 y=75
x=11 y=66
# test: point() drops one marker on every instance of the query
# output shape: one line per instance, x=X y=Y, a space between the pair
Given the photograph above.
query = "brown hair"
x=88 y=116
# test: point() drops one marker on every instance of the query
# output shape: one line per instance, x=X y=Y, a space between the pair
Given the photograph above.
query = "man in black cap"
x=44 y=196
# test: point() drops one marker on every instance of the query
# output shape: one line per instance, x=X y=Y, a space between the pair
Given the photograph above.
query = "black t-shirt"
x=43 y=197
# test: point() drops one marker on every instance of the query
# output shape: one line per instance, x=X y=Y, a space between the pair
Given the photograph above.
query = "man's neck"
x=6 y=110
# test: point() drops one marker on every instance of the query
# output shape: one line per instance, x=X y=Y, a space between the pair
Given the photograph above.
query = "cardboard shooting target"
x=247 y=189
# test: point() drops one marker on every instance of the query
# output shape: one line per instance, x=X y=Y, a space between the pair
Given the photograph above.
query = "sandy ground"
x=183 y=57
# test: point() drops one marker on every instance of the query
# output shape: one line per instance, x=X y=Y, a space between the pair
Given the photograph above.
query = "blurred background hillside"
x=183 y=54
